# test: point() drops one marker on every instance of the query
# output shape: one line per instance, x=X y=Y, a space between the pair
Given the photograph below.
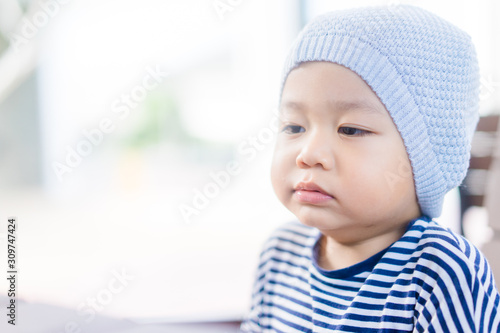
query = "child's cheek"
x=375 y=172
x=281 y=165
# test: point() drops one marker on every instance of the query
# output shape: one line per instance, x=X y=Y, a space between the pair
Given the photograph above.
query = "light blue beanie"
x=425 y=72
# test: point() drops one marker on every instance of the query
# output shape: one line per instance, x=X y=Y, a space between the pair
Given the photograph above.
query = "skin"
x=334 y=131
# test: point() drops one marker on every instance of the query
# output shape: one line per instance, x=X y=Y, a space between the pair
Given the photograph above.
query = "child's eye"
x=352 y=131
x=292 y=129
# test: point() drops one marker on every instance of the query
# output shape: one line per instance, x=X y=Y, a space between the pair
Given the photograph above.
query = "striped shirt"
x=430 y=280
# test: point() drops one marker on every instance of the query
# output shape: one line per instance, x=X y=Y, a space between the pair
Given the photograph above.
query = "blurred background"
x=135 y=145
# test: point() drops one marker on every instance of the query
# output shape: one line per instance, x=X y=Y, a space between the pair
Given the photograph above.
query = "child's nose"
x=317 y=150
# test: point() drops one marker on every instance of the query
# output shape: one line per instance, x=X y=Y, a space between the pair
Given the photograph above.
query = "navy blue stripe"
x=492 y=318
x=277 y=271
x=295 y=232
x=333 y=295
x=292 y=299
x=276 y=260
x=339 y=286
x=279 y=283
x=284 y=240
x=294 y=313
x=295 y=254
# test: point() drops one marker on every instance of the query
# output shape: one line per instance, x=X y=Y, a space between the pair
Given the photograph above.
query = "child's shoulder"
x=440 y=245
x=294 y=231
x=292 y=236
x=432 y=235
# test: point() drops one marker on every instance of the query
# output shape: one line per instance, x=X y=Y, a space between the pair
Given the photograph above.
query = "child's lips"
x=308 y=192
x=313 y=197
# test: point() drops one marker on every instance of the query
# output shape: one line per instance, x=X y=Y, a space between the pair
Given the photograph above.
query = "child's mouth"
x=313 y=197
x=308 y=192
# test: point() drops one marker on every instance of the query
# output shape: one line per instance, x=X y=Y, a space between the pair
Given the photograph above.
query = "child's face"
x=335 y=132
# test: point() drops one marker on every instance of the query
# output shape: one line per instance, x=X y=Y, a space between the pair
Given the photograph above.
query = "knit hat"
x=425 y=72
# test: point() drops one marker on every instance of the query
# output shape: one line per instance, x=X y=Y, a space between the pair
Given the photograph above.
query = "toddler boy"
x=378 y=106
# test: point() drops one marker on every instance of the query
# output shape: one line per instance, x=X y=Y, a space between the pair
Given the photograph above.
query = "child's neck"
x=334 y=255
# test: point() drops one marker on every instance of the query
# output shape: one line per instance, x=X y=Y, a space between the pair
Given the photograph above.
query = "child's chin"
x=330 y=225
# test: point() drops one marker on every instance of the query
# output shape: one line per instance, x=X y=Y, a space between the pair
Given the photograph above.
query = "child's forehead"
x=328 y=85
x=295 y=106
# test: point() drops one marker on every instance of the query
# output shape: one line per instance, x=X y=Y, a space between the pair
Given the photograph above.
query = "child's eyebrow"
x=338 y=105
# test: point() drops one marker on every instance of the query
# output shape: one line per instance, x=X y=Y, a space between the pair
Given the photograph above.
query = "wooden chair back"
x=473 y=188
